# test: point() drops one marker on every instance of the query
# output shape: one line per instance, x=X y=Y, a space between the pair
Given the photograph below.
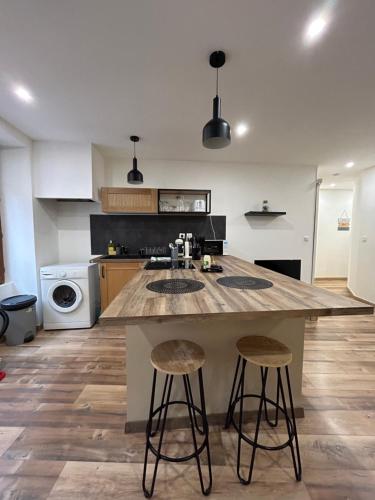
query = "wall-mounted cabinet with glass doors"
x=184 y=201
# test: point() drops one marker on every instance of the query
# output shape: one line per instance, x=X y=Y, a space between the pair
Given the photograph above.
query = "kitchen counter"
x=216 y=317
x=288 y=297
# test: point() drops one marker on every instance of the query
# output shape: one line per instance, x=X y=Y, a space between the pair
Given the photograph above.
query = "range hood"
x=66 y=171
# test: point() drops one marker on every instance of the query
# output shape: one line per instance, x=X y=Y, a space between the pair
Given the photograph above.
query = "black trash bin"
x=21 y=312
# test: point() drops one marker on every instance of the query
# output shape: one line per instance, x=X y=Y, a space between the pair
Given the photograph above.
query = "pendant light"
x=216 y=132
x=134 y=175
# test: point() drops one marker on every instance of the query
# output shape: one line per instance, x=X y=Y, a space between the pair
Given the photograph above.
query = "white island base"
x=218 y=338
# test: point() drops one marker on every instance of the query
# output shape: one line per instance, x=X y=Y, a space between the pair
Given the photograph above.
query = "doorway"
x=333 y=235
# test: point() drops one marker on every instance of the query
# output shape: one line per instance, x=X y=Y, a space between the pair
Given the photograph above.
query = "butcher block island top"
x=287 y=298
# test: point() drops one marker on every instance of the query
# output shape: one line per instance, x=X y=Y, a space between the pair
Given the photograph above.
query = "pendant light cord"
x=133 y=149
x=217 y=81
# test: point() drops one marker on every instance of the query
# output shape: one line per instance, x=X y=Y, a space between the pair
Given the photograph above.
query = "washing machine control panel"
x=63 y=273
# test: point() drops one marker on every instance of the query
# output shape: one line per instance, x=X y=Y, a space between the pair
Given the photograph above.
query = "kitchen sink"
x=159 y=265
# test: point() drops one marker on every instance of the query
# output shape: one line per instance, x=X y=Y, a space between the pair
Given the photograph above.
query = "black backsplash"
x=137 y=231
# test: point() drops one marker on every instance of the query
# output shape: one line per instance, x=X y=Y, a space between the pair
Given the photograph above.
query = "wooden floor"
x=62 y=409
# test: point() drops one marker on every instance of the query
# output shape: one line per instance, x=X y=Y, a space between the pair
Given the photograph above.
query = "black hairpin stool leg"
x=205 y=491
x=272 y=424
x=228 y=417
x=155 y=431
x=256 y=434
x=201 y=431
x=149 y=492
x=292 y=428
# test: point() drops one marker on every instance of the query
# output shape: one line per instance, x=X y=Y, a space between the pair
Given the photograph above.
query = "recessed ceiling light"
x=332 y=185
x=316 y=27
x=350 y=164
x=241 y=129
x=23 y=94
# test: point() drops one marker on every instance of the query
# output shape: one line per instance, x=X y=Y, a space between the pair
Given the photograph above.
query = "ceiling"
x=103 y=70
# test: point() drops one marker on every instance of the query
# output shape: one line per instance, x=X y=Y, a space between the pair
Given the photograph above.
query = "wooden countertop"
x=288 y=297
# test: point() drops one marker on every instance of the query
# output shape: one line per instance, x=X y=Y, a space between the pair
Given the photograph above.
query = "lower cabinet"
x=113 y=277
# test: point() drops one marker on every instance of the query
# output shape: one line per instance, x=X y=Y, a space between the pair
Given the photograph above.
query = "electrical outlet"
x=182 y=236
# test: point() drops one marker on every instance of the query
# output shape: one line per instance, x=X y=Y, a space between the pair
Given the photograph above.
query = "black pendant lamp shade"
x=216 y=132
x=134 y=175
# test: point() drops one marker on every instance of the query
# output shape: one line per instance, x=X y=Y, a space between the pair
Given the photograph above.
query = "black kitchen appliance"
x=212 y=247
x=289 y=267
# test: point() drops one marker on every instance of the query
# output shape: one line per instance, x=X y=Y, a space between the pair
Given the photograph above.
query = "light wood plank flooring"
x=62 y=410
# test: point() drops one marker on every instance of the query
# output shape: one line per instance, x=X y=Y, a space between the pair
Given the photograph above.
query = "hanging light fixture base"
x=134 y=175
x=216 y=133
x=217 y=59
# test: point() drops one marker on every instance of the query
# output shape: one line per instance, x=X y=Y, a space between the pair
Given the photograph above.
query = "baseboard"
x=76 y=325
x=360 y=298
x=215 y=419
x=330 y=278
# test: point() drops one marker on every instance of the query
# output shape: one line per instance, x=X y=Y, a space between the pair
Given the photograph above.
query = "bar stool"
x=266 y=353
x=177 y=358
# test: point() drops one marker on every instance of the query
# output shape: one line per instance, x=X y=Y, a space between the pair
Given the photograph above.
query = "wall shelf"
x=264 y=214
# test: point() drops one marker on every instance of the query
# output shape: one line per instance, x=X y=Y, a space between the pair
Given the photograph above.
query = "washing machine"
x=70 y=294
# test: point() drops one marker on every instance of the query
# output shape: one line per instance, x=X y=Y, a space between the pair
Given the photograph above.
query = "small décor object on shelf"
x=265 y=206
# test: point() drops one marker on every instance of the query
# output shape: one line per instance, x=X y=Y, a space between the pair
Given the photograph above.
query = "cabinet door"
x=129 y=200
x=113 y=277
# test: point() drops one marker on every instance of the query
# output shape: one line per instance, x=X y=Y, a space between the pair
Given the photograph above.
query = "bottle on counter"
x=111 y=248
x=206 y=261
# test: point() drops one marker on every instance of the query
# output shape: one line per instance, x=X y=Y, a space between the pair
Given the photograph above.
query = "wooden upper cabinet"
x=129 y=200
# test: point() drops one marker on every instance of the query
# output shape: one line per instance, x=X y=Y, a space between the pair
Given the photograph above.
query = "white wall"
x=73 y=223
x=236 y=188
x=29 y=225
x=8 y=290
x=362 y=260
x=333 y=246
x=46 y=235
x=17 y=219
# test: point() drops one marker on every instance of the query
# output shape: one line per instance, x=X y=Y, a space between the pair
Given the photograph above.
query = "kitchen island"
x=215 y=317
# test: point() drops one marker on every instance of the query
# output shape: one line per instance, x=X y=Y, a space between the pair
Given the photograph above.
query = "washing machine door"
x=64 y=296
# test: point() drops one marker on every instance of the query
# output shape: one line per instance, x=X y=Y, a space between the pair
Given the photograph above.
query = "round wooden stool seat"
x=264 y=351
x=177 y=357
